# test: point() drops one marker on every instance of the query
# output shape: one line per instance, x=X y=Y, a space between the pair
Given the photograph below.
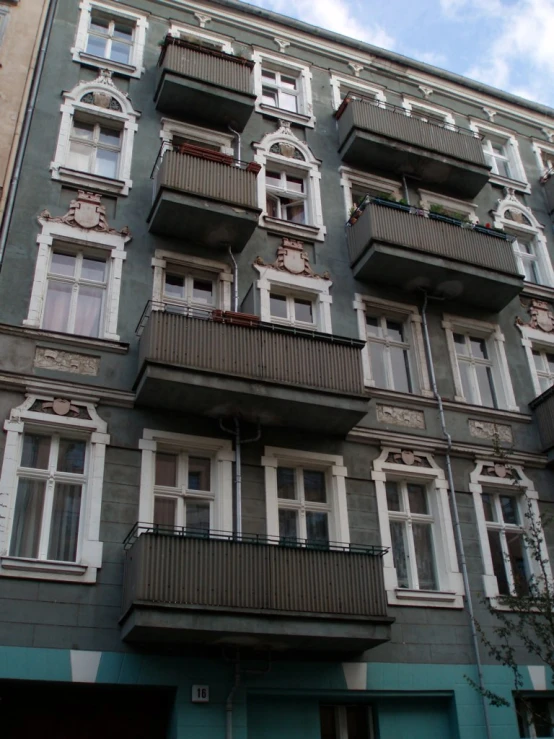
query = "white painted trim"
x=126 y=120
x=526 y=490
x=519 y=181
x=500 y=367
x=355 y=84
x=222 y=273
x=420 y=107
x=540 y=148
x=350 y=177
x=171 y=128
x=89 y=550
x=53 y=234
x=316 y=289
x=222 y=455
x=305 y=117
x=532 y=338
x=225 y=43
x=135 y=68
x=428 y=198
x=449 y=577
x=308 y=169
x=410 y=315
x=333 y=464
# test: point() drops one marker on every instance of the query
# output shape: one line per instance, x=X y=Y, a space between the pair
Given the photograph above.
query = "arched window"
x=95 y=143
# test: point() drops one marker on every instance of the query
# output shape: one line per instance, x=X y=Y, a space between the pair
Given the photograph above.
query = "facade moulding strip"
x=97 y=394
x=118 y=347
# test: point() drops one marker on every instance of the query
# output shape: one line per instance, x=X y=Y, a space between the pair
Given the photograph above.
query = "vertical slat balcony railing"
x=543 y=410
x=207 y=65
x=218 y=344
x=164 y=567
x=419 y=230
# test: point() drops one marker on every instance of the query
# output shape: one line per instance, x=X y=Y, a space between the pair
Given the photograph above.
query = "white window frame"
x=518 y=180
x=544 y=153
x=79 y=53
x=126 y=120
x=451 y=588
x=495 y=344
x=60 y=235
x=171 y=128
x=180 y=30
x=534 y=231
x=428 y=198
x=219 y=450
x=410 y=317
x=535 y=339
x=350 y=178
x=302 y=72
x=308 y=169
x=528 y=718
x=220 y=272
x=304 y=288
x=348 y=83
x=89 y=549
x=481 y=482
x=336 y=473
x=419 y=109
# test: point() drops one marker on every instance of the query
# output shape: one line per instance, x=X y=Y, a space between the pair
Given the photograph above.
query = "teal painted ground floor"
x=81 y=694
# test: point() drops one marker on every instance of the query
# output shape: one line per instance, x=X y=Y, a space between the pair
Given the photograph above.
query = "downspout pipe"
x=455 y=515
x=235 y=431
x=235 y=281
x=33 y=94
x=229 y=703
x=239 y=145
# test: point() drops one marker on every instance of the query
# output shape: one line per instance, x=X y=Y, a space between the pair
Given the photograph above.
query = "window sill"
x=298 y=230
x=46 y=570
x=99 y=62
x=108 y=345
x=286 y=115
x=87 y=180
x=497 y=179
x=424 y=598
x=531 y=289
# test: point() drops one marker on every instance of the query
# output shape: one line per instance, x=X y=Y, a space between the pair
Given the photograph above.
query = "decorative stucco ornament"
x=400 y=416
x=541 y=315
x=292 y=258
x=409 y=458
x=488 y=430
x=55 y=359
x=86 y=212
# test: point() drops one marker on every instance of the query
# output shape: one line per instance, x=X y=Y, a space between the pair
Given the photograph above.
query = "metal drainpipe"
x=10 y=200
x=238 y=469
x=237 y=134
x=235 y=281
x=229 y=703
x=405 y=188
x=455 y=515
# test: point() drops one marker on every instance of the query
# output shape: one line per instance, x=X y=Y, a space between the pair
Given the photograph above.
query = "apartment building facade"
x=278 y=344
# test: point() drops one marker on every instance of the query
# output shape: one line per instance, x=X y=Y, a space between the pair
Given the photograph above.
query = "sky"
x=508 y=44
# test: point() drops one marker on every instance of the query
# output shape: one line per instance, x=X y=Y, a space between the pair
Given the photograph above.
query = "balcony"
x=378 y=136
x=204 y=196
x=413 y=249
x=204 y=85
x=547 y=181
x=221 y=365
x=252 y=592
x=543 y=411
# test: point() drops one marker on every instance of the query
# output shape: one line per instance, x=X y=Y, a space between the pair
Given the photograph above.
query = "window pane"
x=288 y=524
x=288 y=102
x=64 y=529
x=537 y=358
x=123 y=31
x=417 y=498
x=56 y=308
x=106 y=163
x=36 y=451
x=120 y=52
x=296 y=184
x=199 y=473
x=517 y=562
x=27 y=519
x=268 y=75
x=550 y=362
x=202 y=291
x=357 y=722
x=166 y=469
x=109 y=136
x=198 y=516
x=465 y=370
x=377 y=360
x=83 y=130
x=174 y=286
x=395 y=331
x=79 y=156
x=498 y=563
x=394 y=500
x=63 y=264
x=98 y=23
x=460 y=344
x=93 y=269
x=531 y=271
x=317 y=528
x=303 y=311
x=96 y=45
x=314 y=486
x=424 y=556
x=488 y=507
x=269 y=97
x=164 y=511
x=400 y=369
x=478 y=348
x=272 y=207
x=486 y=387
x=277 y=306
x=508 y=505
x=71 y=456
x=535 y=712
x=328 y=722
x=288 y=82
x=399 y=553
x=295 y=212
x=89 y=310
x=286 y=487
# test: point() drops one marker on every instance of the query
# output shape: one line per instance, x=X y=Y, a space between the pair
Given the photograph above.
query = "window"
x=183 y=293
x=290 y=309
x=544 y=367
x=283 y=88
x=346 y=722
x=289 y=186
x=535 y=717
x=186 y=481
x=501 y=151
x=451 y=207
x=341 y=85
x=528 y=261
x=544 y=153
x=75 y=293
x=479 y=363
x=174 y=133
x=95 y=143
x=356 y=185
x=496 y=154
x=202 y=37
x=305 y=497
x=394 y=355
x=429 y=113
x=421 y=566
x=110 y=37
x=538 y=342
x=51 y=490
x=505 y=534
x=77 y=277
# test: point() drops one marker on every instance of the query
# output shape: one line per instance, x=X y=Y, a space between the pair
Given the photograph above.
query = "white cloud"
x=334 y=15
x=430 y=57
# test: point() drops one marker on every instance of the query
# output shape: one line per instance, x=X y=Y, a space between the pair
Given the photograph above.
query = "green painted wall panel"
x=408 y=719
x=270 y=718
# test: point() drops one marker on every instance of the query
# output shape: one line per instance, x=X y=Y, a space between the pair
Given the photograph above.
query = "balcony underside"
x=366 y=150
x=303 y=632
x=212 y=223
x=273 y=404
x=411 y=270
x=197 y=101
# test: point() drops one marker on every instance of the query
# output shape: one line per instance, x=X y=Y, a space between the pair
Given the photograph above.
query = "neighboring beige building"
x=21 y=24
